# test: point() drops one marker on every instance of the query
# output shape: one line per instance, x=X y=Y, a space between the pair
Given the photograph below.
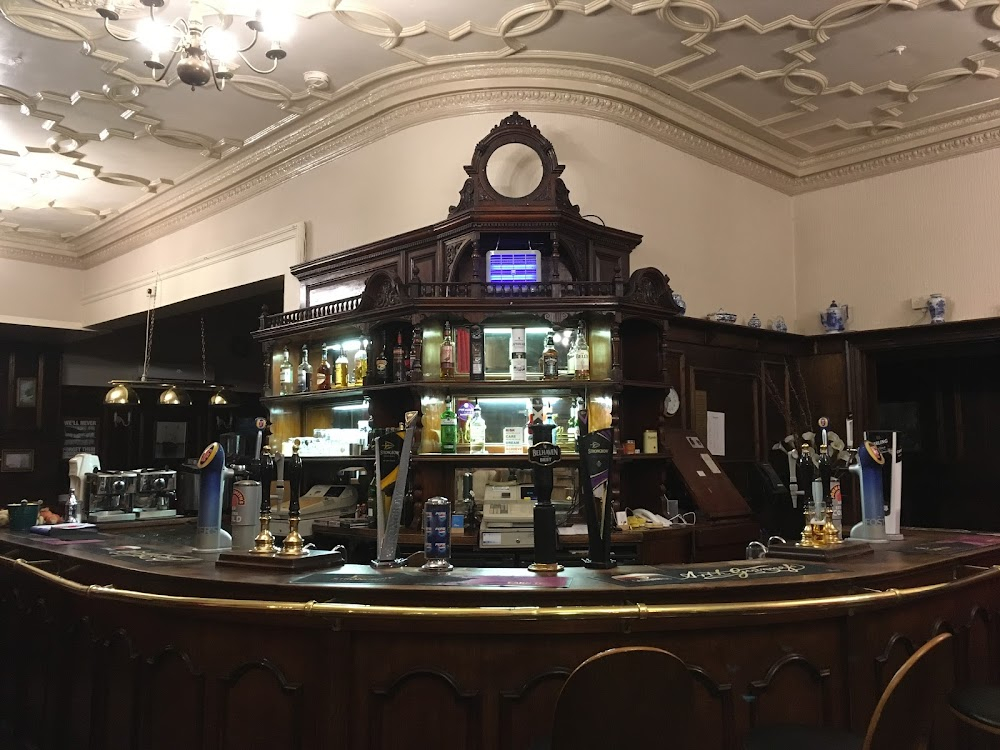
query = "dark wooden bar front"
x=188 y=655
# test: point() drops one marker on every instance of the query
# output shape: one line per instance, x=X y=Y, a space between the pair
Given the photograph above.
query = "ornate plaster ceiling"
x=95 y=157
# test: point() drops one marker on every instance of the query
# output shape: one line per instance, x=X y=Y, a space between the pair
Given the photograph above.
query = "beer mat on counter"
x=758 y=570
x=528 y=581
x=148 y=556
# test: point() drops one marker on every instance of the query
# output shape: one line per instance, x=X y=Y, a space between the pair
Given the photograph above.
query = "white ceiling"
x=798 y=86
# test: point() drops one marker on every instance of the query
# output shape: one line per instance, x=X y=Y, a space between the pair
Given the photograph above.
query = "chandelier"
x=207 y=53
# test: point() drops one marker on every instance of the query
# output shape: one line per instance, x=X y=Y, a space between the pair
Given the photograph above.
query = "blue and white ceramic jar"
x=679 y=301
x=834 y=318
x=754 y=321
x=779 y=325
x=937 y=306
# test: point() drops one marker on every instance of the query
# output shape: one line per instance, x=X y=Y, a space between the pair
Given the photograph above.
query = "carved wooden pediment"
x=382 y=290
x=650 y=286
x=478 y=193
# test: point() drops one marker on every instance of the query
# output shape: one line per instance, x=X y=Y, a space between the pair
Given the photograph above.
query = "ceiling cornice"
x=407 y=99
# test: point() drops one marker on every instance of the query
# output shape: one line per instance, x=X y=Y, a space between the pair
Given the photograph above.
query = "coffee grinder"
x=80 y=466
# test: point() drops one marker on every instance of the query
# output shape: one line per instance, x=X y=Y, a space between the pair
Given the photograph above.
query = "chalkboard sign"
x=79 y=436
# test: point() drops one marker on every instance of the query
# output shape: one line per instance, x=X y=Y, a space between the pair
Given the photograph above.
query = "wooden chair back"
x=914 y=698
x=630 y=697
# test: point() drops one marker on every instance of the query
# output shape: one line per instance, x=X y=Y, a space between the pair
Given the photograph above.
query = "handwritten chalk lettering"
x=741 y=572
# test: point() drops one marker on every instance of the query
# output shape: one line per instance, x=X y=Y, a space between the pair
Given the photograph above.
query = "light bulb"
x=156 y=37
x=279 y=24
x=220 y=45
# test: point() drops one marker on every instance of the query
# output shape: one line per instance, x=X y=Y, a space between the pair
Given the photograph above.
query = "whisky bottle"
x=572 y=428
x=571 y=355
x=416 y=365
x=340 y=369
x=582 y=354
x=550 y=359
x=323 y=372
x=361 y=363
x=398 y=353
x=305 y=372
x=449 y=428
x=382 y=365
x=447 y=354
x=477 y=430
x=285 y=375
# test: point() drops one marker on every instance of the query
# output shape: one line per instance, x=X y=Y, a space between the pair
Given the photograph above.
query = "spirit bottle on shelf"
x=571 y=355
x=550 y=359
x=449 y=428
x=518 y=356
x=447 y=354
x=340 y=369
x=323 y=372
x=285 y=375
x=477 y=430
x=571 y=425
x=416 y=365
x=361 y=363
x=305 y=371
x=477 y=354
x=382 y=365
x=582 y=365
x=398 y=353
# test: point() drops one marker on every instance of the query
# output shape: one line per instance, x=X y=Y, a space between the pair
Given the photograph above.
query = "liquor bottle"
x=449 y=428
x=518 y=356
x=382 y=365
x=582 y=354
x=398 y=353
x=447 y=354
x=571 y=425
x=416 y=365
x=477 y=430
x=361 y=363
x=340 y=369
x=323 y=372
x=550 y=359
x=305 y=371
x=477 y=354
x=285 y=375
x=571 y=355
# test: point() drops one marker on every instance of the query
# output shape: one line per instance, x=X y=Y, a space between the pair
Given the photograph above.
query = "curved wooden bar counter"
x=109 y=647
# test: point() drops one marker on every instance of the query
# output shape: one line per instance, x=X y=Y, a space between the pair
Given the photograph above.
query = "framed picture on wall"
x=27 y=392
x=171 y=440
x=17 y=459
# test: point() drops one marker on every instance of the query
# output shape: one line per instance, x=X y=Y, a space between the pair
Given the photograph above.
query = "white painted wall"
x=724 y=240
x=36 y=295
x=877 y=243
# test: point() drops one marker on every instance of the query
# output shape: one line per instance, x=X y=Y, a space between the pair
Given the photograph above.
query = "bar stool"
x=660 y=708
x=903 y=718
x=978 y=706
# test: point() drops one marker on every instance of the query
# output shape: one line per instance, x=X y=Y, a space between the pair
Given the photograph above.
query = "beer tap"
x=294 y=544
x=263 y=544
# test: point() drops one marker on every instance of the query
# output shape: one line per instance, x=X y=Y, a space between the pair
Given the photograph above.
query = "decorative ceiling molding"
x=402 y=103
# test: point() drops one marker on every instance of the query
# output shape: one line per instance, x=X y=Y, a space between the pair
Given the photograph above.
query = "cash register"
x=508 y=517
x=322 y=501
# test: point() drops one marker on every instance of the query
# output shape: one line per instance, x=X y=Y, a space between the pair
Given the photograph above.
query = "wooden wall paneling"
x=529 y=706
x=426 y=706
x=260 y=682
x=792 y=674
x=172 y=688
x=115 y=722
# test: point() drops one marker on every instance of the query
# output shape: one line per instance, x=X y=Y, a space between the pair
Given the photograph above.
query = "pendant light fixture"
x=175 y=392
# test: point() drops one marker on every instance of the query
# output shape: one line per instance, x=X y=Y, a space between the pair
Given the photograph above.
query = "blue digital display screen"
x=506 y=266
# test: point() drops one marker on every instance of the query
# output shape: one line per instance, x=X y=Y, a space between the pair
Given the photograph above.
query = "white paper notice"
x=714 y=467
x=701 y=473
x=717 y=433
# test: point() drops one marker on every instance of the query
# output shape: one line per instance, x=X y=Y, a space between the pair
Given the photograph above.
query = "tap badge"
x=874 y=452
x=207 y=455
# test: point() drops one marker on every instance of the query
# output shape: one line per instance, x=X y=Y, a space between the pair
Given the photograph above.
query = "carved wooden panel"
x=898 y=649
x=116 y=705
x=791 y=675
x=262 y=687
x=530 y=707
x=424 y=707
x=172 y=688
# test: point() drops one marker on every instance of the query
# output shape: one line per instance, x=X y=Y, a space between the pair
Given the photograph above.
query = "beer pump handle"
x=266 y=476
x=294 y=481
x=850 y=431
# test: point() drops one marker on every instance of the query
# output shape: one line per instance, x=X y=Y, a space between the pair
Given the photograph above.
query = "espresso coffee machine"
x=110 y=496
x=155 y=493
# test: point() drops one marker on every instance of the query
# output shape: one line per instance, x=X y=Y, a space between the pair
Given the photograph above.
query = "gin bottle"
x=285 y=375
x=477 y=431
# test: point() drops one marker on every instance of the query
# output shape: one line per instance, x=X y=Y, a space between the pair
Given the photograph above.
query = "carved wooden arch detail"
x=650 y=286
x=383 y=289
x=821 y=677
x=478 y=193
